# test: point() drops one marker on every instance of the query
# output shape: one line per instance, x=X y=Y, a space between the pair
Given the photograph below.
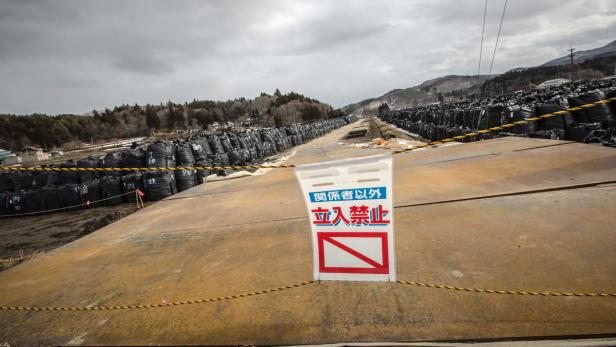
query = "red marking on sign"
x=339 y=216
x=322 y=216
x=377 y=268
x=359 y=215
x=378 y=215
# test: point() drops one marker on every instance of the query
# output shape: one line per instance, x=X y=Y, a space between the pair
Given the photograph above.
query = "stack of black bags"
x=25 y=192
x=595 y=124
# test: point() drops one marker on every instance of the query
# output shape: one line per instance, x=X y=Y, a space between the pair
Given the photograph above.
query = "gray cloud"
x=73 y=56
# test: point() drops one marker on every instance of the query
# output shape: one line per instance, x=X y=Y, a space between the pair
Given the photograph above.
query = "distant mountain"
x=593 y=63
x=581 y=56
x=429 y=91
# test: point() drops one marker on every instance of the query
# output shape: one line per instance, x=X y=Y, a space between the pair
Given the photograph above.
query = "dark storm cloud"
x=73 y=56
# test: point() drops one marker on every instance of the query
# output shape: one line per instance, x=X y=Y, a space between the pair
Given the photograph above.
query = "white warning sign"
x=351 y=216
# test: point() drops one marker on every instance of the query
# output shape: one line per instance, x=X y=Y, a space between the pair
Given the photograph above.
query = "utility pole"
x=571 y=55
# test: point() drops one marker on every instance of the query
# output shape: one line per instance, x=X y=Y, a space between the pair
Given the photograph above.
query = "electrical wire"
x=483 y=28
x=497 y=37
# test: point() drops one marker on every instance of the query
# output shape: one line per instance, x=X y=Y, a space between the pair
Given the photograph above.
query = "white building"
x=8 y=158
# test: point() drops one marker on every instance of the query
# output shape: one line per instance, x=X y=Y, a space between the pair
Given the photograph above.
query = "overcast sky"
x=74 y=56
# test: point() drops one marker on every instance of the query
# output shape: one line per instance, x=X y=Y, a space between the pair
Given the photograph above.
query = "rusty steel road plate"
x=510 y=213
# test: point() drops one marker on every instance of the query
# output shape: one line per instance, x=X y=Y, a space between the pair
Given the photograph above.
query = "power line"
x=497 y=37
x=571 y=55
x=483 y=28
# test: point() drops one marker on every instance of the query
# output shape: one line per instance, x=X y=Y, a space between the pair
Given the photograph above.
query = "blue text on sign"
x=374 y=193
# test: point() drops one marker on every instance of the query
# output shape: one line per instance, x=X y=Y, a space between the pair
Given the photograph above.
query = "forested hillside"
x=520 y=79
x=125 y=121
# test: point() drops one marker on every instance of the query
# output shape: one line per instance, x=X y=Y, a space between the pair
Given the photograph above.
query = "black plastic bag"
x=160 y=154
x=132 y=158
x=185 y=179
x=159 y=185
x=130 y=183
x=111 y=190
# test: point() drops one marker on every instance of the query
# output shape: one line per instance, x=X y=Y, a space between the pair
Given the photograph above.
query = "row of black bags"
x=590 y=125
x=26 y=192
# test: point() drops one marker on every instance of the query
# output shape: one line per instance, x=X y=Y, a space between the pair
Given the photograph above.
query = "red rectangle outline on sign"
x=376 y=269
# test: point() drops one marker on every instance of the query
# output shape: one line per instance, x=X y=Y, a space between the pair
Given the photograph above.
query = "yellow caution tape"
x=297 y=285
x=165 y=304
x=511 y=292
x=66 y=169
x=509 y=125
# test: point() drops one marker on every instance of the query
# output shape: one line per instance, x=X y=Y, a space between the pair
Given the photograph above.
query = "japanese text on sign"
x=349 y=194
x=351 y=220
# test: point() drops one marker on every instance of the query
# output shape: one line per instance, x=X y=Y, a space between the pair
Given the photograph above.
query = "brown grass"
x=9 y=262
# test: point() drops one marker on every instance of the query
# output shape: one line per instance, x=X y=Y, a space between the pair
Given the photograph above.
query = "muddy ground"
x=22 y=238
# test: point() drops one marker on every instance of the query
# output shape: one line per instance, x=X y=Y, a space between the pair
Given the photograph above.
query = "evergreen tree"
x=151 y=118
x=180 y=119
x=171 y=116
x=311 y=113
